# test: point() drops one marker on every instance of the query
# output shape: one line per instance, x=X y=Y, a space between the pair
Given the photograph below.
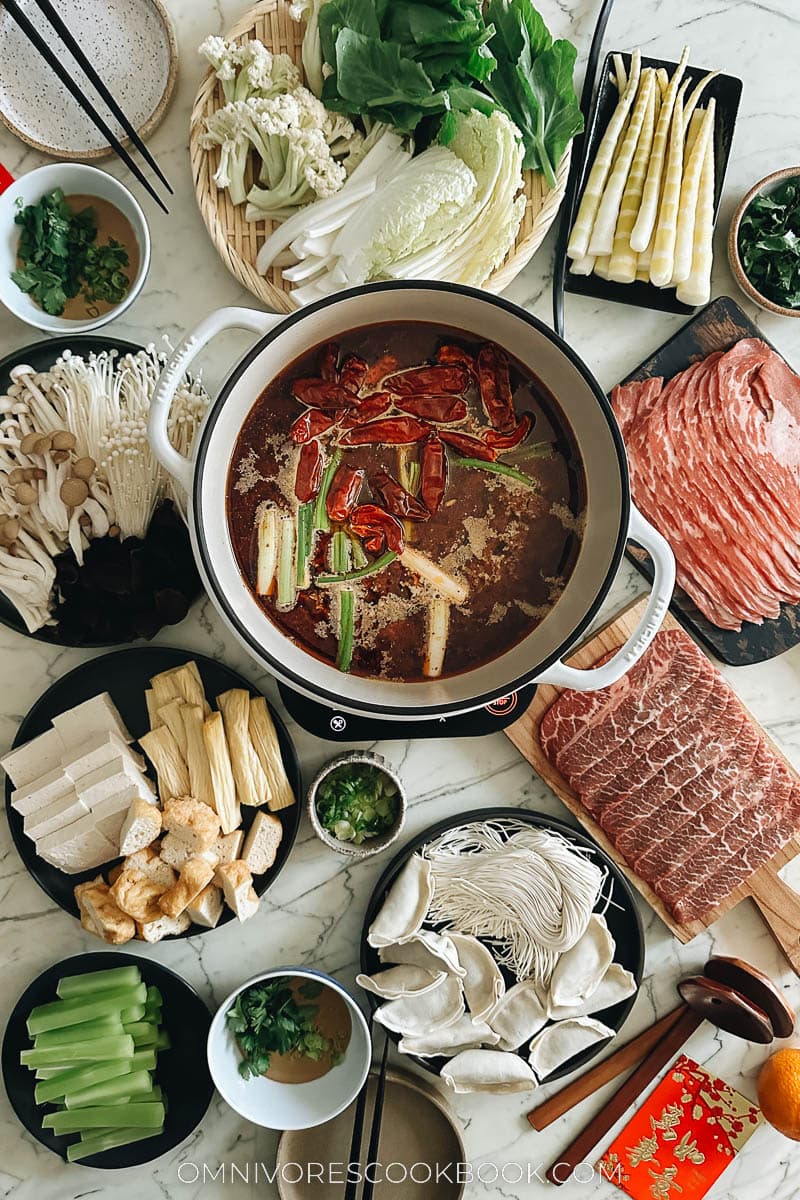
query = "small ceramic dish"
x=75 y=179
x=275 y=1105
x=372 y=845
x=768 y=184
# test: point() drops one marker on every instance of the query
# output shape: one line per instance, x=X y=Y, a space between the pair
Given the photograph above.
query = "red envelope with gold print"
x=683 y=1137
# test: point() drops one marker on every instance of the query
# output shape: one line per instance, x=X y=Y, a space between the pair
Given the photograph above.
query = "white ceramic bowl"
x=289 y=1105
x=76 y=179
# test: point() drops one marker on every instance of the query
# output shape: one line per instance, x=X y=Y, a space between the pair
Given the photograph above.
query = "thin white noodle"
x=528 y=892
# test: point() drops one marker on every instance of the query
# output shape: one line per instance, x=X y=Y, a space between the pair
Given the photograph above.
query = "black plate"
x=41 y=356
x=718 y=326
x=622 y=916
x=182 y=1070
x=126 y=675
x=727 y=91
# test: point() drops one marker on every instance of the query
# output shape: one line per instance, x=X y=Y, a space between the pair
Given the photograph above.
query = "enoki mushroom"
x=527 y=892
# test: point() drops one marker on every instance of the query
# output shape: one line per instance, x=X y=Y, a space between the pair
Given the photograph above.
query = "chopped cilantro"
x=769 y=244
x=266 y=1019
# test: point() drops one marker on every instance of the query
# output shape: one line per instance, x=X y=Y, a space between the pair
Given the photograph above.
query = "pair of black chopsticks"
x=53 y=60
x=351 y=1187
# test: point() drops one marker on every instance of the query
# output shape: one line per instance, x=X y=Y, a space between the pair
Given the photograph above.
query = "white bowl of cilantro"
x=357 y=804
x=289 y=1049
x=74 y=248
x=764 y=243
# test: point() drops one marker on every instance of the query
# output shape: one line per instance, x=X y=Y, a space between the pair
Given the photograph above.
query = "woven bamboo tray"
x=238 y=241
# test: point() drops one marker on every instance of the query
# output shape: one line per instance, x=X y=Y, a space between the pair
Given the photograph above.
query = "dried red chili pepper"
x=329 y=362
x=433 y=473
x=451 y=355
x=386 y=431
x=344 y=492
x=426 y=380
x=495 y=387
x=369 y=407
x=506 y=441
x=309 y=472
x=469 y=446
x=385 y=365
x=310 y=424
x=377 y=529
x=322 y=393
x=443 y=410
x=352 y=372
x=395 y=499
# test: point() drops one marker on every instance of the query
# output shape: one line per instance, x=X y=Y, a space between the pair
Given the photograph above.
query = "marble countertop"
x=313 y=913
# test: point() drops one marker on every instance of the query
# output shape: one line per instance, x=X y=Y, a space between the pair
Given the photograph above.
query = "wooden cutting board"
x=779 y=904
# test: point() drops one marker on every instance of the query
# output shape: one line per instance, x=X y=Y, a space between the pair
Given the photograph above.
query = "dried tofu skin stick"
x=173 y=777
x=663 y=260
x=601 y=265
x=694 y=98
x=582 y=266
x=251 y=783
x=202 y=785
x=582 y=229
x=624 y=260
x=153 y=718
x=605 y=222
x=648 y=211
x=690 y=191
x=697 y=288
x=663 y=80
x=219 y=763
x=170 y=715
x=267 y=747
x=164 y=689
x=190 y=686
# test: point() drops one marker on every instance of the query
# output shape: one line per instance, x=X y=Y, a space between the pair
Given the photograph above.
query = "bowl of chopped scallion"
x=764 y=243
x=357 y=804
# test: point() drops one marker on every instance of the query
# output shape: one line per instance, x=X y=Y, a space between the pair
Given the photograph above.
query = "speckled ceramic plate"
x=132 y=45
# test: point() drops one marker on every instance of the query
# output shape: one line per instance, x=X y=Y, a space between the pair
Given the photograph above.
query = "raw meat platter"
x=717 y=328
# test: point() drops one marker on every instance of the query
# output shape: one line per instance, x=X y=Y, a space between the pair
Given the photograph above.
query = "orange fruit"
x=779 y=1092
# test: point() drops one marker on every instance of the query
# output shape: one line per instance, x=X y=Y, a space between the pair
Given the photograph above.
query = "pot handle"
x=560 y=675
x=179 y=467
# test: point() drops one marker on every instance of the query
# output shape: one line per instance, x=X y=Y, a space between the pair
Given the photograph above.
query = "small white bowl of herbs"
x=357 y=804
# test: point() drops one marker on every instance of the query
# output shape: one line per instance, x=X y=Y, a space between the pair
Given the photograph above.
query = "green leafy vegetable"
x=401 y=62
x=357 y=801
x=533 y=83
x=769 y=244
x=266 y=1019
x=59 y=257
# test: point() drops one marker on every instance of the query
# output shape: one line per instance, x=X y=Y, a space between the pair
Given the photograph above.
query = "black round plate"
x=622 y=916
x=41 y=356
x=125 y=675
x=181 y=1071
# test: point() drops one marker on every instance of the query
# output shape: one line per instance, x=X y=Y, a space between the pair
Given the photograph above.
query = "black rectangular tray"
x=727 y=91
x=718 y=326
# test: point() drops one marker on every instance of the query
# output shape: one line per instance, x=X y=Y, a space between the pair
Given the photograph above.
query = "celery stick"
x=50 y=1072
x=111 y=1091
x=144 y=1033
x=85 y=1032
x=74 y=1012
x=144 y=1059
x=154 y=997
x=145 y=1115
x=93 y=1051
x=135 y=1013
x=74 y=1078
x=163 y=1042
x=107 y=1139
x=95 y=981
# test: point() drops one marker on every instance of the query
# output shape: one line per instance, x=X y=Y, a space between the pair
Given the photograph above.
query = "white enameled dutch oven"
x=611 y=517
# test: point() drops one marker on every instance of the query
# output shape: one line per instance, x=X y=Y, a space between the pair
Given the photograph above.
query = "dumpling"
x=428 y=949
x=617 y=984
x=401 y=981
x=483 y=982
x=405 y=906
x=579 y=970
x=519 y=1014
x=415 y=1015
x=558 y=1043
x=493 y=1071
x=463 y=1034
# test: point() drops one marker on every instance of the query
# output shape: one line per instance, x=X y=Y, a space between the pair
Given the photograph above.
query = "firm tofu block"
x=43 y=791
x=119 y=775
x=98 y=715
x=55 y=816
x=78 y=847
x=38 y=757
x=101 y=748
